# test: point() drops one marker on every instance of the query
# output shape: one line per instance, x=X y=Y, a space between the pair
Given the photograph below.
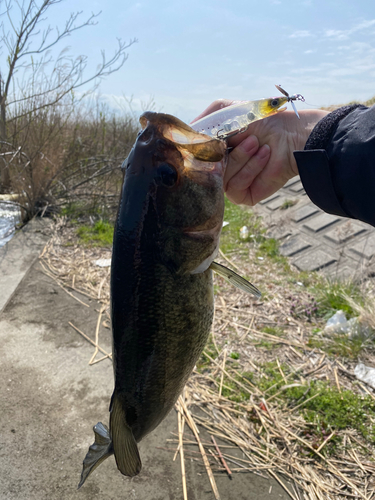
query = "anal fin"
x=124 y=445
x=98 y=452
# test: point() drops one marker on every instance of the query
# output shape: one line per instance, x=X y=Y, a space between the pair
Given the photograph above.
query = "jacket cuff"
x=315 y=173
x=323 y=131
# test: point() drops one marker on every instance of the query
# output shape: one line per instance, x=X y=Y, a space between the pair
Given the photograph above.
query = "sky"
x=189 y=53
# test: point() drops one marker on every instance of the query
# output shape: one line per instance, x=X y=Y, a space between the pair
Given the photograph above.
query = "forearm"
x=337 y=165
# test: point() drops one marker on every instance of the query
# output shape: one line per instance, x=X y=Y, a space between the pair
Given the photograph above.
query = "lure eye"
x=274 y=103
x=166 y=175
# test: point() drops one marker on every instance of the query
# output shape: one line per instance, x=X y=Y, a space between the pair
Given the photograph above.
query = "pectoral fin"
x=98 y=452
x=235 y=279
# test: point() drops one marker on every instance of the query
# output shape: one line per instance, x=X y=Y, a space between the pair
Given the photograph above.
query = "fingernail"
x=249 y=144
x=263 y=152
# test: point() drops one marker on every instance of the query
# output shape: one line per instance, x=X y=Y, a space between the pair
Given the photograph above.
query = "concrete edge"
x=19 y=254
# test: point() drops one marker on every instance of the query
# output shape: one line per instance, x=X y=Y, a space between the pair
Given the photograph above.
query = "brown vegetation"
x=280 y=400
x=62 y=156
x=53 y=145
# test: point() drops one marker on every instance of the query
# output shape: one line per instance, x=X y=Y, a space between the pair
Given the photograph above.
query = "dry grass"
x=66 y=156
x=228 y=396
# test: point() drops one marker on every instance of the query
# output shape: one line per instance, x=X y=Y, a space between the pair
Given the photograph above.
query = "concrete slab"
x=314 y=260
x=321 y=222
x=341 y=236
x=297 y=187
x=345 y=232
x=277 y=203
x=17 y=256
x=365 y=248
x=294 y=245
x=279 y=233
x=304 y=212
x=51 y=398
x=270 y=198
x=291 y=182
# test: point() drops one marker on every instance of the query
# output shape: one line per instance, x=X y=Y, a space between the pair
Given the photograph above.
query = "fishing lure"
x=235 y=119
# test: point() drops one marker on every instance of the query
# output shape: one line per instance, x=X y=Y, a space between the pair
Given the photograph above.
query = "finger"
x=214 y=106
x=240 y=156
x=239 y=188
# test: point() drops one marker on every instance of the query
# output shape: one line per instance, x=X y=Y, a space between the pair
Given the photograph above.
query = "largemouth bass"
x=166 y=237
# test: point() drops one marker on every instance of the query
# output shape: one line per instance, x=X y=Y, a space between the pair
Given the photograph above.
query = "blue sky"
x=192 y=52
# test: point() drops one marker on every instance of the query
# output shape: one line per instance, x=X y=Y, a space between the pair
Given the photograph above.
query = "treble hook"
x=291 y=98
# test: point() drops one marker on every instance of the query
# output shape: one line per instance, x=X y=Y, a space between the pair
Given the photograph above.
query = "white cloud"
x=300 y=34
x=344 y=34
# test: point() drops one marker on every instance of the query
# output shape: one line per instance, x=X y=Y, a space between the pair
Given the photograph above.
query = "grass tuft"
x=234 y=355
x=287 y=204
x=98 y=235
x=329 y=410
x=334 y=296
x=238 y=217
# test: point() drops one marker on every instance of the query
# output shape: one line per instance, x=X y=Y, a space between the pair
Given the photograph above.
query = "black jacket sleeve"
x=337 y=166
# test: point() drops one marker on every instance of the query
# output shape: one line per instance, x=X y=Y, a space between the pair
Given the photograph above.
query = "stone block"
x=291 y=182
x=294 y=245
x=270 y=198
x=276 y=204
x=304 y=212
x=314 y=260
x=321 y=222
x=364 y=248
x=344 y=232
x=345 y=273
x=279 y=232
x=297 y=187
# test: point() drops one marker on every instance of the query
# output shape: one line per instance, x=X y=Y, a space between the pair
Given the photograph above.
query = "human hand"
x=262 y=160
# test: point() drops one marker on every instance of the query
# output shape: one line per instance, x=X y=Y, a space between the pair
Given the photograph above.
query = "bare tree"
x=32 y=79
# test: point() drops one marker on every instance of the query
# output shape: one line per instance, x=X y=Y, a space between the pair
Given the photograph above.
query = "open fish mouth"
x=192 y=145
x=172 y=128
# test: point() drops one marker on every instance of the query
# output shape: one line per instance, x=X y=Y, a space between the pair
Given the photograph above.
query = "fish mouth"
x=173 y=128
x=199 y=151
x=281 y=109
x=195 y=166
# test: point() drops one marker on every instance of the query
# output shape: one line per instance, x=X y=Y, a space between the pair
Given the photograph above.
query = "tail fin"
x=98 y=452
x=124 y=445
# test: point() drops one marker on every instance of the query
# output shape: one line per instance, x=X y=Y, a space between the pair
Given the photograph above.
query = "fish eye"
x=166 y=175
x=274 y=103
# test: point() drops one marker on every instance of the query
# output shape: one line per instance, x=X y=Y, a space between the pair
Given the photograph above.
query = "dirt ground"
x=51 y=398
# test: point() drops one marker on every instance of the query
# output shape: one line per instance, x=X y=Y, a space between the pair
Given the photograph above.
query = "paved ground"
x=341 y=248
x=51 y=398
x=17 y=256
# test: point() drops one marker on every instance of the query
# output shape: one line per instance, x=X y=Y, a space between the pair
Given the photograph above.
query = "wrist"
x=308 y=120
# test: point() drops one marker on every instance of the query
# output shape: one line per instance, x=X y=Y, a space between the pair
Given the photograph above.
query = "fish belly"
x=163 y=336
